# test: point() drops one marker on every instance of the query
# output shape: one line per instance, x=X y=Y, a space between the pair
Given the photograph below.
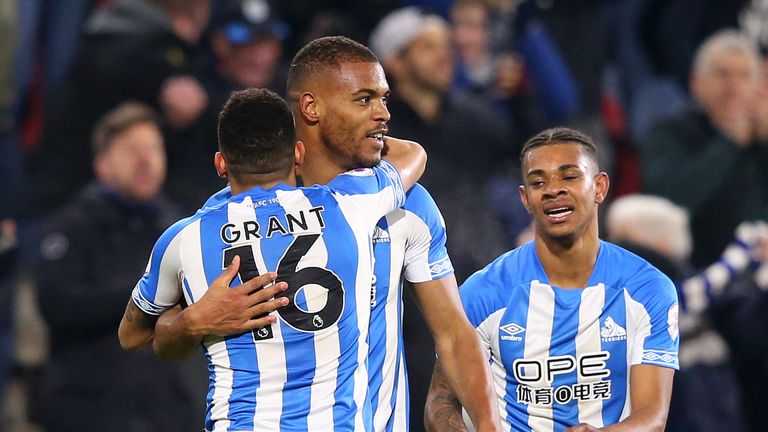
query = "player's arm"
x=462 y=361
x=651 y=389
x=408 y=157
x=443 y=410
x=136 y=328
x=222 y=311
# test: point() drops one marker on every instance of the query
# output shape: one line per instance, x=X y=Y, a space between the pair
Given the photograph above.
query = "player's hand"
x=225 y=311
x=583 y=427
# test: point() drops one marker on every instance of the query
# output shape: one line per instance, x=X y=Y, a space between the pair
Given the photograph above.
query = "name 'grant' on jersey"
x=306 y=372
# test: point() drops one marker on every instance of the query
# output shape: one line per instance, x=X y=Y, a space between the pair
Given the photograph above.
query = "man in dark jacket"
x=713 y=159
x=89 y=253
x=144 y=50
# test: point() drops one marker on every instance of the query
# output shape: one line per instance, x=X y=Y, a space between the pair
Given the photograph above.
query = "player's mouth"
x=558 y=214
x=377 y=137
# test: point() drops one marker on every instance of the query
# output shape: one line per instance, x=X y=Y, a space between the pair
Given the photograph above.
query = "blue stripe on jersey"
x=244 y=384
x=616 y=308
x=512 y=351
x=565 y=327
x=377 y=337
x=190 y=297
x=379 y=177
x=400 y=364
x=345 y=266
x=300 y=358
x=211 y=389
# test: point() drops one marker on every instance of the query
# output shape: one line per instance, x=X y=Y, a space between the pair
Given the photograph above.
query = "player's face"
x=562 y=190
x=135 y=162
x=353 y=114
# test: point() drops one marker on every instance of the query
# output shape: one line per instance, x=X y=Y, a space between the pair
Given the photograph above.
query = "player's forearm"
x=466 y=370
x=649 y=418
x=443 y=411
x=408 y=157
x=176 y=337
x=136 y=328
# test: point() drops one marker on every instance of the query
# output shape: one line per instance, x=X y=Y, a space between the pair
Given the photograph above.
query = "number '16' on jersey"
x=306 y=372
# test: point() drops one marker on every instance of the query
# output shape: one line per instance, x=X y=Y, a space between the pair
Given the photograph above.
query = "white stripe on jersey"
x=269 y=355
x=397 y=226
x=588 y=341
x=541 y=311
x=416 y=252
x=355 y=207
x=489 y=332
x=327 y=341
x=400 y=417
x=636 y=316
x=224 y=378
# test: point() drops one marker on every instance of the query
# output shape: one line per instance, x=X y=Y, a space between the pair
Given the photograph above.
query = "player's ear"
x=299 y=152
x=524 y=198
x=308 y=107
x=602 y=184
x=220 y=164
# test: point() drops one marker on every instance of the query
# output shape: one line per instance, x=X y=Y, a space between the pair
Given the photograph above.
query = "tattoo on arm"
x=444 y=406
x=143 y=320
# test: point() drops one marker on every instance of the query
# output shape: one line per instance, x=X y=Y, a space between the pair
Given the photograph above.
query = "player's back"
x=307 y=371
x=303 y=372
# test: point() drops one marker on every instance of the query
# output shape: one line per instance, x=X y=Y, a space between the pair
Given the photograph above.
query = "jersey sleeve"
x=159 y=288
x=426 y=256
x=657 y=329
x=480 y=293
x=378 y=190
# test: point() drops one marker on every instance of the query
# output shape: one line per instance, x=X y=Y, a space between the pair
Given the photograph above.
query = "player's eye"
x=364 y=100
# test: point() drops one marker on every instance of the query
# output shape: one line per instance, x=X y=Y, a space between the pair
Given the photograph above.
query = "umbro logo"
x=512 y=330
x=380 y=235
x=611 y=331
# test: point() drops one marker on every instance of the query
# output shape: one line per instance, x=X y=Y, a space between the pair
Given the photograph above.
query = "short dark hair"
x=256 y=133
x=118 y=120
x=560 y=135
x=326 y=53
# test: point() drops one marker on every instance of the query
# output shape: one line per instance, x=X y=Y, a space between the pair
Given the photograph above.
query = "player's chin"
x=370 y=161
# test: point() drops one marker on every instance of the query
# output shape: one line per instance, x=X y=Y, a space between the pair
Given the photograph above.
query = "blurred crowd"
x=108 y=128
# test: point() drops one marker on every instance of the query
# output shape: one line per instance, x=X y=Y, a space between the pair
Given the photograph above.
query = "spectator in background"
x=145 y=50
x=89 y=250
x=699 y=159
x=658 y=231
x=466 y=143
x=8 y=252
x=483 y=69
x=247 y=43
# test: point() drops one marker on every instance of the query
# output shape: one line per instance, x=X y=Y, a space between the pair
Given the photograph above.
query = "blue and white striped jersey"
x=307 y=372
x=560 y=357
x=409 y=243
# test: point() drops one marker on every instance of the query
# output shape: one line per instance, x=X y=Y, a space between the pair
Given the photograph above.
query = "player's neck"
x=265 y=183
x=319 y=166
x=568 y=262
